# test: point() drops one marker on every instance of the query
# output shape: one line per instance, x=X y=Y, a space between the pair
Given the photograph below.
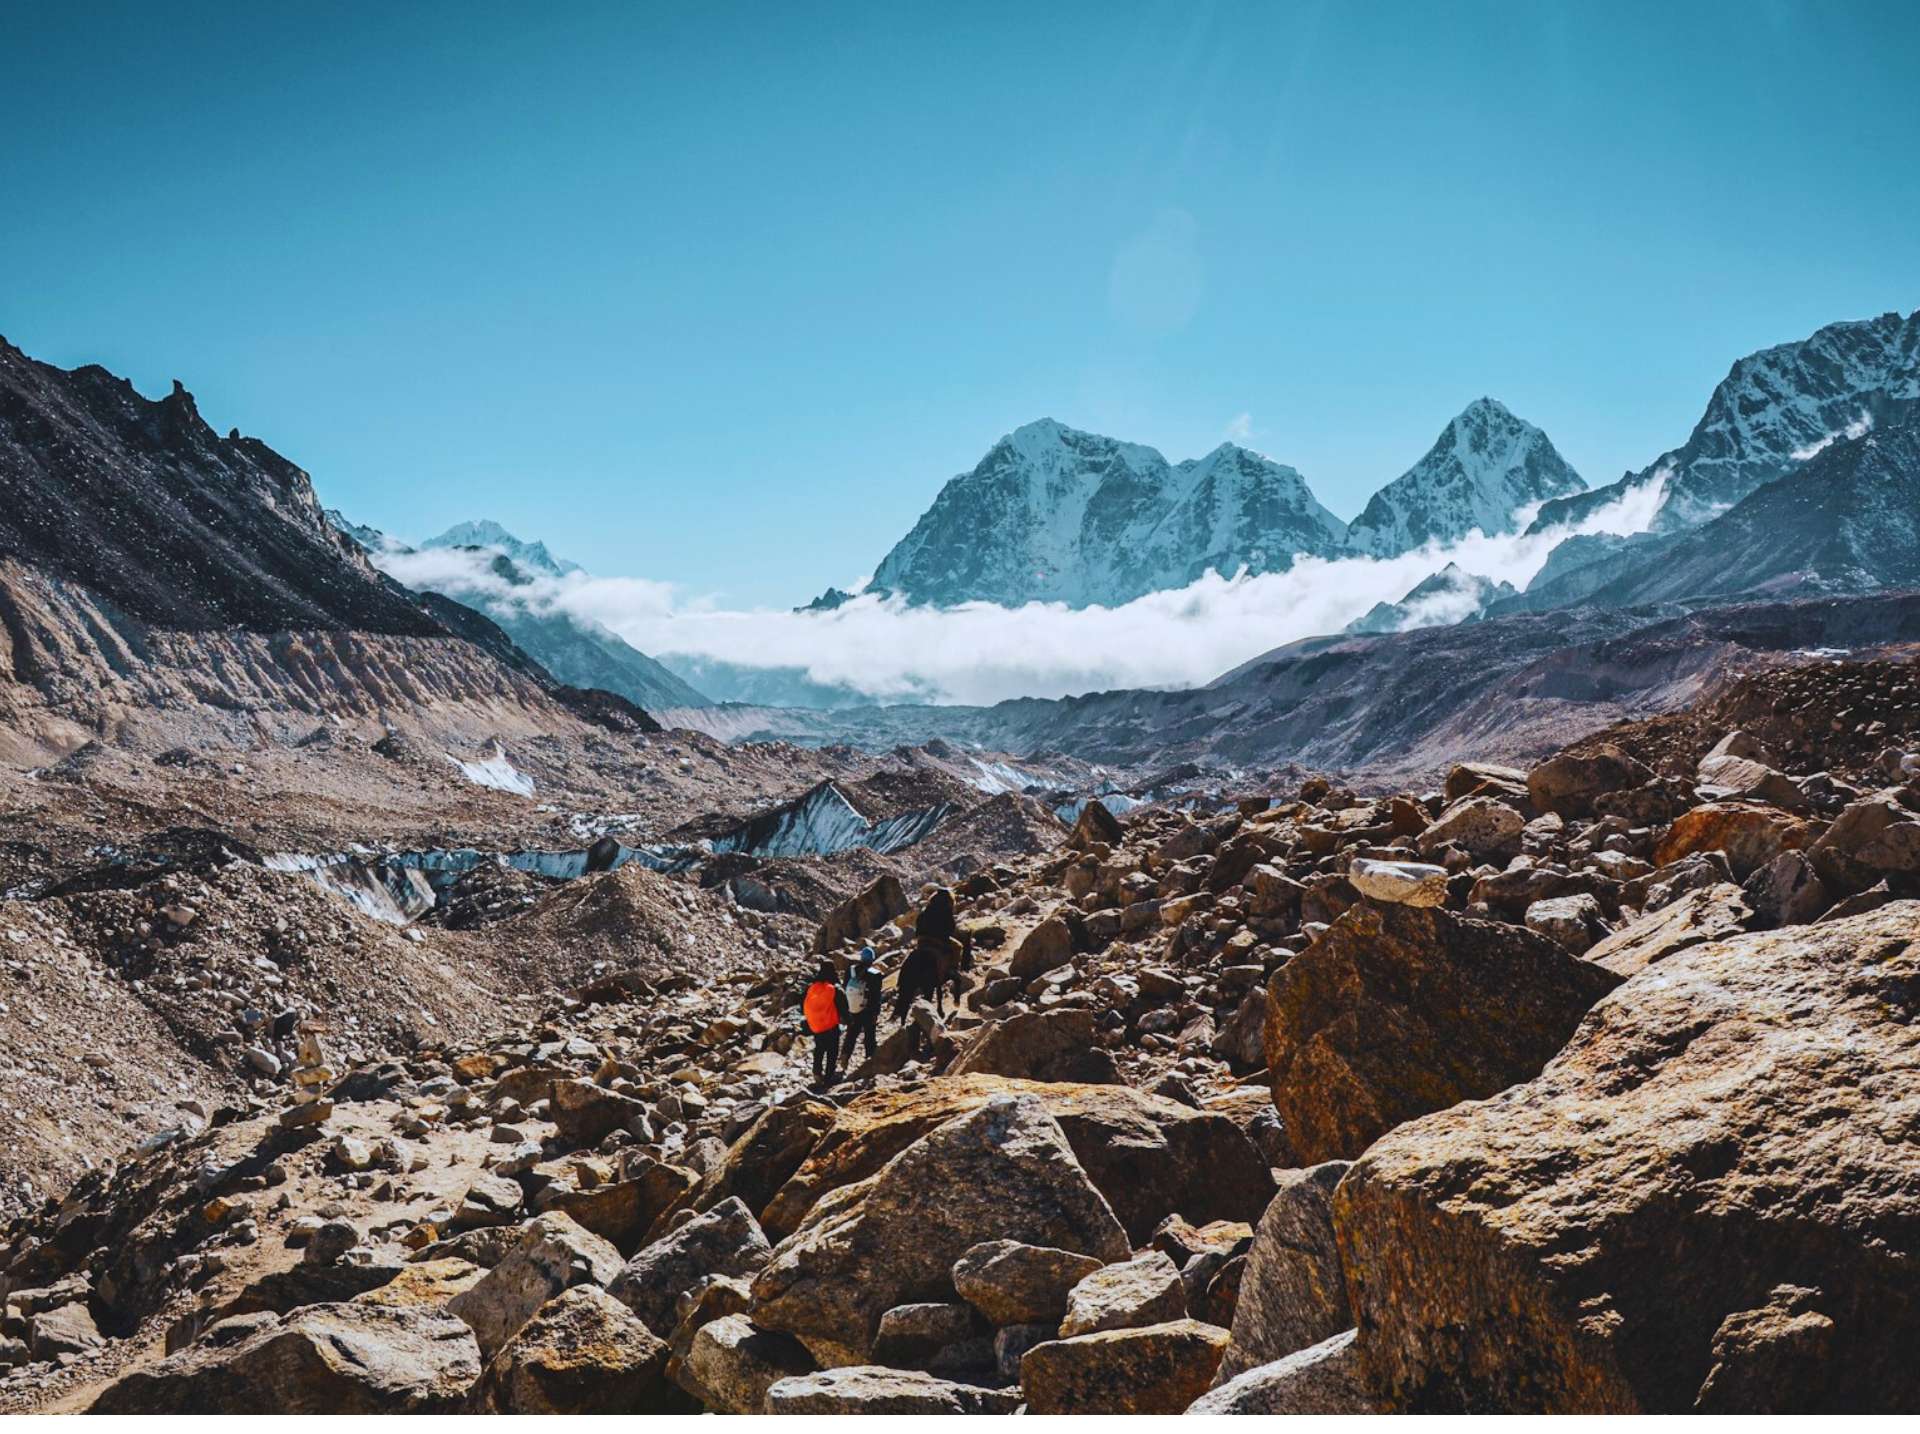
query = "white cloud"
x=1240 y=428
x=1859 y=428
x=982 y=653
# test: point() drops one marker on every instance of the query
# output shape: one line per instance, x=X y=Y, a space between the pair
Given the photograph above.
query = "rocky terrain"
x=1586 y=1087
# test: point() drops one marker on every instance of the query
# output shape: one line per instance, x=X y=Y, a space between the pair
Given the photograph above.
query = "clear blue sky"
x=720 y=294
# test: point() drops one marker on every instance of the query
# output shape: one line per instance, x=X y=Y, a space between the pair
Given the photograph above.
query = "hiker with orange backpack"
x=824 y=1008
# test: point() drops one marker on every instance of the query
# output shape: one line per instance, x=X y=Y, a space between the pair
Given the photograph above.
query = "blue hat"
x=865 y=957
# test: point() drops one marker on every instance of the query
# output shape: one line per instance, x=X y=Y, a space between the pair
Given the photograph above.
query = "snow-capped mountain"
x=578 y=651
x=488 y=534
x=1053 y=514
x=1448 y=596
x=1776 y=409
x=1484 y=469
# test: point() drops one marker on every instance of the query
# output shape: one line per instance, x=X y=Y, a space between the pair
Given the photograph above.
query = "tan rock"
x=1160 y=1369
x=1750 y=833
x=583 y=1352
x=1012 y=1283
x=553 y=1255
x=1141 y=1291
x=1710 y=913
x=1569 y=783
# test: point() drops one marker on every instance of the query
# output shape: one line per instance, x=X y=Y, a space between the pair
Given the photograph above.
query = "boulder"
x=1242 y=1039
x=1059 y=1045
x=725 y=1240
x=1001 y=1171
x=581 y=1353
x=1569 y=783
x=1325 y=1378
x=1599 y=1239
x=1141 y=1291
x=938 y=1338
x=1574 y=922
x=1482 y=826
x=1410 y=883
x=764 y=1157
x=1724 y=777
x=871 y=1389
x=1095 y=826
x=1160 y=1369
x=586 y=1114
x=1011 y=1283
x=554 y=1254
x=1484 y=779
x=1750 y=833
x=428 y=1284
x=1874 y=839
x=333 y=1359
x=1293 y=1292
x=1787 y=891
x=623 y=1212
x=732 y=1363
x=1707 y=913
x=64 y=1329
x=491 y=1200
x=1401 y=1010
x=857 y=915
x=1045 y=948
x=1151 y=1157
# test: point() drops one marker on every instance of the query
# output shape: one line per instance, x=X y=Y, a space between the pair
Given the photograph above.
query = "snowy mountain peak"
x=1486 y=467
x=1055 y=514
x=485 y=533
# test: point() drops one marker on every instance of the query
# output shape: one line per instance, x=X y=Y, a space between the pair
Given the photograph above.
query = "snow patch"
x=496 y=772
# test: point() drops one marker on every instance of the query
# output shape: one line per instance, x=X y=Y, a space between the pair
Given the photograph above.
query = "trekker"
x=824 y=1007
x=863 y=1004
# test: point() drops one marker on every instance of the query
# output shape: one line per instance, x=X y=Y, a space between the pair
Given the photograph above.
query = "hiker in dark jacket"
x=863 y=1004
x=824 y=1008
x=934 y=959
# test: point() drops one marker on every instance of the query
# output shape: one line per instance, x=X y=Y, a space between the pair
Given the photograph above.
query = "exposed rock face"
x=856 y=916
x=1141 y=1291
x=1150 y=1157
x=553 y=1255
x=873 y=1389
x=1567 y=784
x=724 y=1240
x=582 y=1353
x=1160 y=1369
x=1875 y=839
x=1052 y=514
x=733 y=1363
x=1095 y=826
x=1484 y=468
x=1400 y=1010
x=323 y=1359
x=1011 y=1283
x=1409 y=883
x=1613 y=1233
x=1325 y=1378
x=1045 y=948
x=1040 y=1045
x=1001 y=1171
x=1293 y=1293
x=1707 y=913
x=1749 y=833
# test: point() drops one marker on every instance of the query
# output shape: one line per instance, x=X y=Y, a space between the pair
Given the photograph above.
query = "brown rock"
x=1734 y=1121
x=1095 y=826
x=1874 y=839
x=871 y=1389
x=586 y=1114
x=624 y=1211
x=553 y=1255
x=762 y=1159
x=1141 y=1291
x=857 y=915
x=733 y=1363
x=1012 y=1283
x=1401 y=1010
x=1293 y=1292
x=1482 y=826
x=583 y=1352
x=725 y=1240
x=1157 y=1370
x=1001 y=1171
x=1751 y=834
x=1325 y=1378
x=1569 y=783
x=1040 y=1045
x=325 y=1359
x=1710 y=913
x=1048 y=946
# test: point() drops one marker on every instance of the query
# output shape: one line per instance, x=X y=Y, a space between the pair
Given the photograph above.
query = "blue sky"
x=720 y=294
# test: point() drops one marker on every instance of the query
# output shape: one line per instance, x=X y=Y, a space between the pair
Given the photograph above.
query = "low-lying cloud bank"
x=979 y=653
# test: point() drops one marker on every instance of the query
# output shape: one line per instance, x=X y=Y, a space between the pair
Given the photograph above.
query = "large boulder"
x=1141 y=1291
x=554 y=1254
x=1150 y=1156
x=623 y=1211
x=1750 y=833
x=857 y=915
x=583 y=1352
x=1293 y=1292
x=872 y=1389
x=1725 y=777
x=1001 y=1171
x=1160 y=1369
x=1569 y=783
x=1410 y=883
x=1048 y=946
x=1040 y=1045
x=1400 y=1010
x=1707 y=913
x=732 y=1363
x=1095 y=826
x=725 y=1240
x=1325 y=1378
x=1736 y=1120
x=1482 y=826
x=1011 y=1283
x=586 y=1114
x=1874 y=839
x=332 y=1359
x=762 y=1159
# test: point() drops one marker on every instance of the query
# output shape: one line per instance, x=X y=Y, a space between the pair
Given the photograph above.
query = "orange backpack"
x=820 y=1008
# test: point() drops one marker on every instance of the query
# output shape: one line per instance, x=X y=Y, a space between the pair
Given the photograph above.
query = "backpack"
x=820 y=1007
x=859 y=987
